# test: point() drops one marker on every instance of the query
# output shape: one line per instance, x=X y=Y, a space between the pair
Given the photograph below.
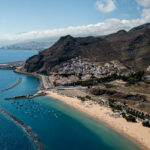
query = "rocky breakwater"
x=40 y=93
x=27 y=129
x=18 y=82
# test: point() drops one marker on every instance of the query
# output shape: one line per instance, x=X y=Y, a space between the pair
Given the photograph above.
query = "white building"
x=148 y=69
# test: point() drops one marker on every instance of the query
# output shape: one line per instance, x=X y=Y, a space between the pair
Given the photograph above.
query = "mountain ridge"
x=132 y=48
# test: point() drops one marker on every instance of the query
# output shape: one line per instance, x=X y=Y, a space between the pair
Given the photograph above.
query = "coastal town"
x=77 y=69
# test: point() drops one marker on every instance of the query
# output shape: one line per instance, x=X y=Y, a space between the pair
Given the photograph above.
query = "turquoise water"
x=58 y=126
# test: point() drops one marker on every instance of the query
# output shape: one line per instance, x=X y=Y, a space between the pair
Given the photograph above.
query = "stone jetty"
x=40 y=93
x=18 y=82
x=27 y=129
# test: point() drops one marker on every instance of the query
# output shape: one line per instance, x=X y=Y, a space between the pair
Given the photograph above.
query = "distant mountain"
x=32 y=45
x=131 y=48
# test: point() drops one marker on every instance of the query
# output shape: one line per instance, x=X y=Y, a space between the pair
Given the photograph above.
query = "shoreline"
x=28 y=130
x=121 y=126
x=37 y=76
x=102 y=113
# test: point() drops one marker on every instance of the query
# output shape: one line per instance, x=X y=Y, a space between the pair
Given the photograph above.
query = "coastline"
x=28 y=130
x=37 y=76
x=103 y=114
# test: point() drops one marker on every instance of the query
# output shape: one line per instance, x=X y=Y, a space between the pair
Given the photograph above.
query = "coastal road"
x=46 y=82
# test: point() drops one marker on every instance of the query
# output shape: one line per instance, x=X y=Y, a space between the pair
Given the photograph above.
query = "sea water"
x=15 y=55
x=58 y=126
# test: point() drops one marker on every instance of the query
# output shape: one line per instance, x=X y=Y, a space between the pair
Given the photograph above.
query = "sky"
x=22 y=20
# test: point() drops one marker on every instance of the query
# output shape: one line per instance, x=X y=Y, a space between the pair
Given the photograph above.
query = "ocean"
x=57 y=125
x=15 y=55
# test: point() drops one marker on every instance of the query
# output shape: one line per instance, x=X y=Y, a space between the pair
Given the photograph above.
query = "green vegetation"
x=114 y=106
x=109 y=86
x=94 y=81
x=66 y=75
x=132 y=113
x=80 y=76
x=83 y=99
x=132 y=78
x=88 y=97
x=136 y=113
x=130 y=118
x=146 y=124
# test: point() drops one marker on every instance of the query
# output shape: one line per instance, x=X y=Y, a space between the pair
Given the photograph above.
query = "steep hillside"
x=131 y=48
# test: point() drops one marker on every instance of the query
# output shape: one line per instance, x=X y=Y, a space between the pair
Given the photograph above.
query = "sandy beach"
x=135 y=131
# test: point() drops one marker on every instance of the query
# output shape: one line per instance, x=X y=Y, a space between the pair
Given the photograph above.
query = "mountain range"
x=31 y=45
x=131 y=48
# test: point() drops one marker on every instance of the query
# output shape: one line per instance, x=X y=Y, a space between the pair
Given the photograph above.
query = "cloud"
x=144 y=3
x=102 y=28
x=145 y=13
x=106 y=6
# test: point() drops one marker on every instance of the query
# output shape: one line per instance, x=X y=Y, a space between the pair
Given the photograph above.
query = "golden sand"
x=136 y=131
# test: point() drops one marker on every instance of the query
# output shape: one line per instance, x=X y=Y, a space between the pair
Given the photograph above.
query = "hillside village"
x=78 y=69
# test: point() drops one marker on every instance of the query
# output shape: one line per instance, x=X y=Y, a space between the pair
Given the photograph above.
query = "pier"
x=17 y=83
x=40 y=93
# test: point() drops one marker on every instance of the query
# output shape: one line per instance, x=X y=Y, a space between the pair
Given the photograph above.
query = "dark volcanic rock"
x=131 y=48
